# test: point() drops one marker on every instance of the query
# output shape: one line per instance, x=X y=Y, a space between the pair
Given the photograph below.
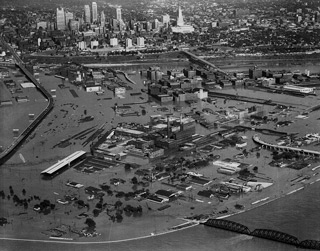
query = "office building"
x=68 y=16
x=113 y=41
x=102 y=18
x=94 y=12
x=166 y=19
x=155 y=24
x=61 y=22
x=140 y=41
x=128 y=42
x=118 y=13
x=42 y=24
x=74 y=25
x=87 y=14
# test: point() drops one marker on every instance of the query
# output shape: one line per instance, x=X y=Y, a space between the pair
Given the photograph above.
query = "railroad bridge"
x=310 y=244
x=228 y=225
x=276 y=236
x=263 y=233
x=272 y=147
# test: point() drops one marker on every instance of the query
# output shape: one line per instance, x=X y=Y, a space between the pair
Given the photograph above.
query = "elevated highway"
x=11 y=149
x=203 y=62
x=272 y=147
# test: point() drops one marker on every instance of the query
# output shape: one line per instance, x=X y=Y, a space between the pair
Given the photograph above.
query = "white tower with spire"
x=180 y=18
x=181 y=27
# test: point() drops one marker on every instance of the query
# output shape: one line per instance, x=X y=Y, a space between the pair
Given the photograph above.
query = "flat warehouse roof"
x=63 y=162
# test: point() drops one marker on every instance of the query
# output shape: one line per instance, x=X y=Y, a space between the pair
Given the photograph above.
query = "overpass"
x=272 y=147
x=203 y=62
x=11 y=149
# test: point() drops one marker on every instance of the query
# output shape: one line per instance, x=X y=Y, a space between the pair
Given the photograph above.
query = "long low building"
x=62 y=164
x=296 y=88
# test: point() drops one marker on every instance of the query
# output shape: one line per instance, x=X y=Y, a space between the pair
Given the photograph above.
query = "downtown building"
x=102 y=19
x=68 y=17
x=87 y=14
x=61 y=21
x=140 y=41
x=94 y=12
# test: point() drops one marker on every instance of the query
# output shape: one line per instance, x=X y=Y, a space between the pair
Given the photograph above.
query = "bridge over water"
x=276 y=236
x=263 y=233
x=228 y=225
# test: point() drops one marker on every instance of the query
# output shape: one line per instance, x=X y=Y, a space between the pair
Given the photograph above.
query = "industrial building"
x=64 y=164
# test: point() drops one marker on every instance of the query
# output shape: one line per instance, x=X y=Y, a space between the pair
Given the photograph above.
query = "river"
x=297 y=214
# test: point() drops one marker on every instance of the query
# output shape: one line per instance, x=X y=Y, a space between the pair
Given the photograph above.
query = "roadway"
x=6 y=154
x=257 y=139
x=203 y=61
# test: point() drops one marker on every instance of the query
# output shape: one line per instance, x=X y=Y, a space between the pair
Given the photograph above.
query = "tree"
x=245 y=152
x=96 y=212
x=119 y=217
x=81 y=203
x=255 y=169
x=134 y=187
x=23 y=192
x=134 y=180
x=99 y=205
x=118 y=204
x=127 y=167
x=90 y=223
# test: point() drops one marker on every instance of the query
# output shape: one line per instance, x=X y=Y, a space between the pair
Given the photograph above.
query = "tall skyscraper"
x=118 y=13
x=102 y=18
x=155 y=24
x=165 y=19
x=61 y=22
x=94 y=12
x=87 y=14
x=180 y=18
x=68 y=16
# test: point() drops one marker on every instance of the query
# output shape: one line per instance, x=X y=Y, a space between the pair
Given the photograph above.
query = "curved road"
x=7 y=153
